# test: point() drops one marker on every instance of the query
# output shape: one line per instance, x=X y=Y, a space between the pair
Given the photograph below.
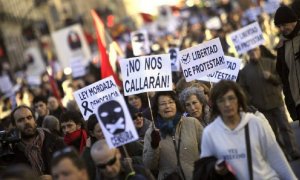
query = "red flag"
x=106 y=69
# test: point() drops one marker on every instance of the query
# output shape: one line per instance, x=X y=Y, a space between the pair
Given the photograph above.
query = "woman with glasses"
x=195 y=104
x=227 y=136
x=171 y=144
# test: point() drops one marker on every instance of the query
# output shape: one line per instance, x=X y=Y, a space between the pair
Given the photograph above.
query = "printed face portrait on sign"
x=74 y=40
x=112 y=116
x=140 y=43
x=175 y=64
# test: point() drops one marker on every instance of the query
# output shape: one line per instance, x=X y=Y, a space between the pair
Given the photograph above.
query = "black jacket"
x=50 y=145
x=205 y=169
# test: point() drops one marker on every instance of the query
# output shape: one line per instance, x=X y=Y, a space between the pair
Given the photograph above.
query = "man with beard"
x=37 y=145
x=72 y=126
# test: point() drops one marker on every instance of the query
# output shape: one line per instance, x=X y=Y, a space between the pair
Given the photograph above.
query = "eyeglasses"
x=109 y=163
x=137 y=115
x=223 y=100
x=67 y=150
x=164 y=104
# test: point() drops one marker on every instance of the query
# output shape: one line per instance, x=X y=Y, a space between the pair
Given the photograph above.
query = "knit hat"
x=284 y=15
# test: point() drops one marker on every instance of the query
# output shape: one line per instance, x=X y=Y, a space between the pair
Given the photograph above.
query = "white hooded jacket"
x=267 y=158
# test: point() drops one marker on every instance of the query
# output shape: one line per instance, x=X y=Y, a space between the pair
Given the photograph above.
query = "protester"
x=138 y=101
x=141 y=124
x=54 y=107
x=262 y=71
x=95 y=133
x=36 y=146
x=225 y=138
x=110 y=166
x=287 y=57
x=72 y=126
x=19 y=172
x=52 y=124
x=67 y=164
x=194 y=102
x=173 y=137
x=40 y=106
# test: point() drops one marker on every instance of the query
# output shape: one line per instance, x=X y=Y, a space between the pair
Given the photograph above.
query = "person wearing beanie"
x=288 y=58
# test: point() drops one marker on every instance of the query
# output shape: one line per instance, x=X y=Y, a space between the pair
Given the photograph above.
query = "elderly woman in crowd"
x=172 y=146
x=195 y=104
x=233 y=131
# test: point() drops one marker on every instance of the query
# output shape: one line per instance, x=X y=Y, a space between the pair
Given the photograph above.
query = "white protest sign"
x=70 y=42
x=89 y=97
x=213 y=23
x=34 y=80
x=116 y=123
x=34 y=61
x=175 y=64
x=140 y=43
x=78 y=67
x=229 y=73
x=247 y=38
x=202 y=59
x=146 y=73
x=270 y=7
x=5 y=84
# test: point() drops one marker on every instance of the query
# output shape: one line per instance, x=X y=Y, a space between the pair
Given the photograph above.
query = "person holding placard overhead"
x=172 y=145
x=240 y=140
x=288 y=58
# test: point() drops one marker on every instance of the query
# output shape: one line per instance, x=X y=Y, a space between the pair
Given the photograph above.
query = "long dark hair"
x=220 y=89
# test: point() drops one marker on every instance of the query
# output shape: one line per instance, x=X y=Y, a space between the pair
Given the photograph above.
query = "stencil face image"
x=112 y=116
x=173 y=56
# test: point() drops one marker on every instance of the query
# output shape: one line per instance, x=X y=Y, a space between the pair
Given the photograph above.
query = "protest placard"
x=271 y=6
x=116 y=122
x=146 y=73
x=70 y=42
x=89 y=97
x=34 y=61
x=5 y=84
x=175 y=64
x=140 y=43
x=202 y=59
x=247 y=38
x=229 y=73
x=77 y=66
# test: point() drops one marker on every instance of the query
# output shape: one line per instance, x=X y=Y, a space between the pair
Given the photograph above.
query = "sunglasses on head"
x=109 y=163
x=137 y=115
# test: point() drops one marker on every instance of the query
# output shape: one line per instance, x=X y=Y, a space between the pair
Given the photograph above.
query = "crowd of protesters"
x=234 y=130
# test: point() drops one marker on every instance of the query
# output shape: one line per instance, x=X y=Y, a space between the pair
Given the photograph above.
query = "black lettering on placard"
x=121 y=138
x=104 y=98
x=187 y=72
x=83 y=95
x=208 y=65
x=152 y=82
x=101 y=87
x=133 y=66
x=153 y=63
x=231 y=65
x=222 y=75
